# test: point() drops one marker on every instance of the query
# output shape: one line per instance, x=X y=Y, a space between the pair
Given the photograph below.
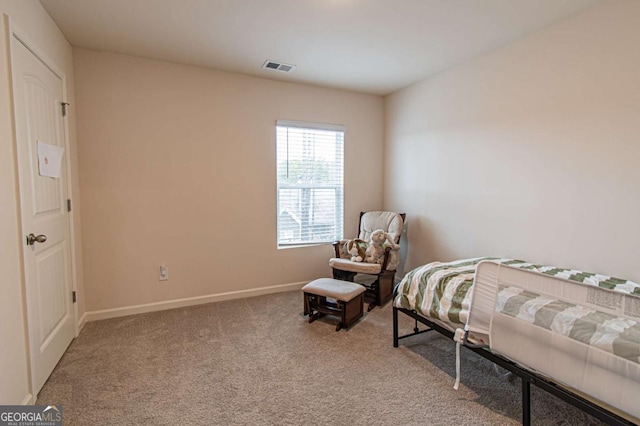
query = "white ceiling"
x=371 y=46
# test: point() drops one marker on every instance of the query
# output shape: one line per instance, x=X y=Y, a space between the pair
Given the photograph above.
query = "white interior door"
x=38 y=94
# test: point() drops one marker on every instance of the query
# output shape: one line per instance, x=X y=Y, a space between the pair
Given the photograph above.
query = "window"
x=310 y=182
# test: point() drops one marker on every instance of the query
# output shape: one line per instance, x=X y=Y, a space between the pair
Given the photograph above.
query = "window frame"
x=338 y=219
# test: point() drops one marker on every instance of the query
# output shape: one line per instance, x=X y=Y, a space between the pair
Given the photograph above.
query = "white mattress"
x=586 y=367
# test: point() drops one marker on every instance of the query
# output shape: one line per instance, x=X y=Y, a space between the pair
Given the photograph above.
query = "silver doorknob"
x=32 y=239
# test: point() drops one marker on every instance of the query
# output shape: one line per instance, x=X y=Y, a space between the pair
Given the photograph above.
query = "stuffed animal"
x=378 y=241
x=375 y=251
x=394 y=257
x=356 y=248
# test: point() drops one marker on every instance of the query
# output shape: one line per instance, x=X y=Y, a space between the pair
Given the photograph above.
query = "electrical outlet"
x=163 y=274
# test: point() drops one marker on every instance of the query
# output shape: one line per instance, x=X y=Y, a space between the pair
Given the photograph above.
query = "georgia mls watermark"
x=30 y=415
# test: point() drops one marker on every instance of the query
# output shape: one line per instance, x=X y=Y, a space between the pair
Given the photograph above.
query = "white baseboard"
x=29 y=400
x=190 y=301
x=82 y=322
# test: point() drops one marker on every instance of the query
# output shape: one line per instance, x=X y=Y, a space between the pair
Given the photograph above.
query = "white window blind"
x=310 y=182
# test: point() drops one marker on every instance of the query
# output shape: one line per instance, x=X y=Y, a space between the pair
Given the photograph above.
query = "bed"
x=574 y=334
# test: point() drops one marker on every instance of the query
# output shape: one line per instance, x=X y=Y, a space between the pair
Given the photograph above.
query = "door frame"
x=13 y=31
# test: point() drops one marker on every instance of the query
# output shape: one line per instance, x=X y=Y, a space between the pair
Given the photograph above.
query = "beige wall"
x=32 y=21
x=178 y=167
x=530 y=151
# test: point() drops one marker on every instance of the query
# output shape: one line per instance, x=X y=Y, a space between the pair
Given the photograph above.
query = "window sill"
x=292 y=246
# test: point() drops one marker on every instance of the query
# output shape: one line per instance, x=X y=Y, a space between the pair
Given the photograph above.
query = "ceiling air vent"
x=278 y=66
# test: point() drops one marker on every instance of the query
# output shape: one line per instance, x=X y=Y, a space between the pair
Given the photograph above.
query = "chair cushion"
x=328 y=287
x=359 y=267
x=389 y=222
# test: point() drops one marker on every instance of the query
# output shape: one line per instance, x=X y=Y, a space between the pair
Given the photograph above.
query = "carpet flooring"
x=257 y=361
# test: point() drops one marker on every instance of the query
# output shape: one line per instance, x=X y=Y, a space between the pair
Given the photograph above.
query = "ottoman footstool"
x=349 y=298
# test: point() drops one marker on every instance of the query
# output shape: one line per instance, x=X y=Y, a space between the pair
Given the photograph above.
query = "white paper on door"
x=49 y=159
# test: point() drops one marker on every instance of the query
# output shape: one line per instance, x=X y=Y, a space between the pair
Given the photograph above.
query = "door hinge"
x=64 y=108
x=73 y=296
x=68 y=204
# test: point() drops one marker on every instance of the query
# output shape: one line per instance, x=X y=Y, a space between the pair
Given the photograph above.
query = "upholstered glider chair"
x=379 y=291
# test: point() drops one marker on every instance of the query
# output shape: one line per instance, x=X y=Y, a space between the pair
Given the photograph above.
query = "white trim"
x=190 y=301
x=29 y=400
x=309 y=125
x=81 y=323
x=73 y=250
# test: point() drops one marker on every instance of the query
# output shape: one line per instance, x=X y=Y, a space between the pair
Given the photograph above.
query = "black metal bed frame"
x=527 y=377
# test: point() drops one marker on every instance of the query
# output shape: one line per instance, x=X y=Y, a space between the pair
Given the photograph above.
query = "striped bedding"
x=585 y=336
x=441 y=290
x=617 y=335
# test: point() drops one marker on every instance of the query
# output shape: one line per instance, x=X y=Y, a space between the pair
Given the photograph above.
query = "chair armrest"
x=338 y=247
x=385 y=261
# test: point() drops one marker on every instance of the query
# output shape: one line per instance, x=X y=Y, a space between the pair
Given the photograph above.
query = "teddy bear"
x=378 y=241
x=356 y=248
